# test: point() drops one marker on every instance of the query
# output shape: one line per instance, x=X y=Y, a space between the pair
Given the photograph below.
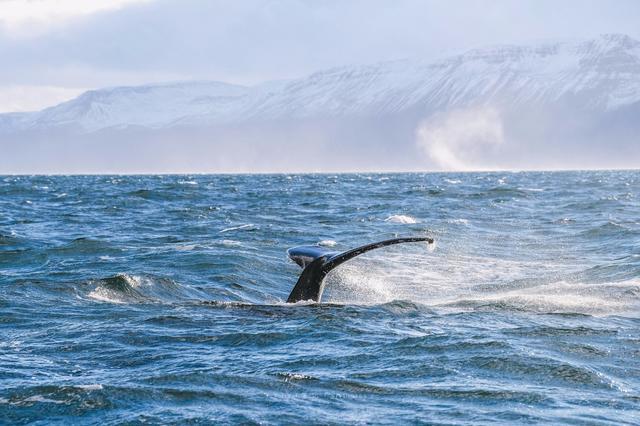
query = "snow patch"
x=604 y=70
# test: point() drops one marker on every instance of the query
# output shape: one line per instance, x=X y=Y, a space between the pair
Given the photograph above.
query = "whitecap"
x=565 y=221
x=327 y=243
x=295 y=376
x=89 y=388
x=458 y=221
x=401 y=218
x=248 y=226
x=102 y=295
x=185 y=247
x=105 y=293
x=532 y=189
x=40 y=398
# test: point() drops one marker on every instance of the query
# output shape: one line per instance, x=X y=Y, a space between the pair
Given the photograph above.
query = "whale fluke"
x=317 y=261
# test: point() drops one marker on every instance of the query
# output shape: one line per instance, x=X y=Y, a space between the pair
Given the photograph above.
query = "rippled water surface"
x=160 y=299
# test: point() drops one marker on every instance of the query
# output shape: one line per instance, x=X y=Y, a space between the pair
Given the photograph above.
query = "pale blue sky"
x=53 y=49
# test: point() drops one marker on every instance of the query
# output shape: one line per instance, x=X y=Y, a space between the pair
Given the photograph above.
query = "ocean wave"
x=520 y=316
x=608 y=229
x=10 y=239
x=295 y=377
x=458 y=221
x=502 y=192
x=245 y=227
x=144 y=193
x=185 y=247
x=400 y=218
x=126 y=288
x=86 y=245
x=45 y=395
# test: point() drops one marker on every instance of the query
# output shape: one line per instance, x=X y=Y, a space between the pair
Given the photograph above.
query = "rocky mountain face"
x=556 y=104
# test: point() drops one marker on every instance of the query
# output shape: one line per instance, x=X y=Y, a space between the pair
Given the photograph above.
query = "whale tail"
x=318 y=261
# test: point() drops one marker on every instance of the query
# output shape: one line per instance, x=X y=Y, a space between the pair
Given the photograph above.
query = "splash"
x=462 y=139
x=558 y=297
x=467 y=283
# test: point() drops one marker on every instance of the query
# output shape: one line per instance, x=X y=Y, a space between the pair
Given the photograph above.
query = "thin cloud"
x=34 y=98
x=29 y=18
x=252 y=41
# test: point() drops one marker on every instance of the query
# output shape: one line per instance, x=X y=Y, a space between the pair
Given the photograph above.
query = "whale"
x=317 y=261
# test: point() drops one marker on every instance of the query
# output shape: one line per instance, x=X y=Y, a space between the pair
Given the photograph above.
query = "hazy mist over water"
x=161 y=299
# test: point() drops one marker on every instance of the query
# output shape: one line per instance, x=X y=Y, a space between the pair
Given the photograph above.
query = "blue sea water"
x=160 y=299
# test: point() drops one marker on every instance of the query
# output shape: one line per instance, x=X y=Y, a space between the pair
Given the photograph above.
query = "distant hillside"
x=563 y=104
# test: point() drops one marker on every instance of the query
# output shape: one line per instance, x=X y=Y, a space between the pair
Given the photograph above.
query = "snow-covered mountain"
x=555 y=83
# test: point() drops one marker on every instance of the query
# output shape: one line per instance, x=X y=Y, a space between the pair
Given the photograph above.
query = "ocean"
x=161 y=299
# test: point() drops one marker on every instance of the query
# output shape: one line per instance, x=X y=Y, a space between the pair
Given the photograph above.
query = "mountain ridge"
x=495 y=107
x=477 y=75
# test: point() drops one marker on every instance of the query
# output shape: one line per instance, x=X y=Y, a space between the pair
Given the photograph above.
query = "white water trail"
x=466 y=282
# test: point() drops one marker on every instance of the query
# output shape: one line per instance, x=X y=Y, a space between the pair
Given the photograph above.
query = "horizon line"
x=273 y=173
